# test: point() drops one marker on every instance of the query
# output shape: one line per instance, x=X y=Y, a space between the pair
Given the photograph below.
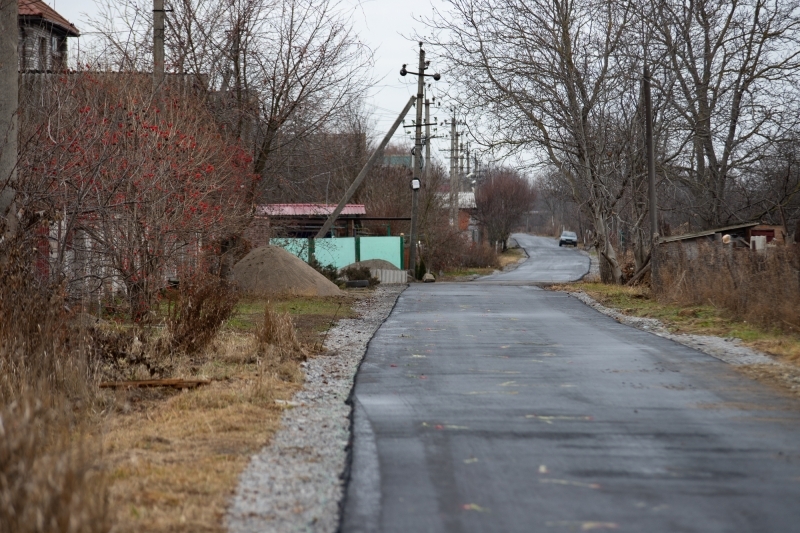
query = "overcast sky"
x=382 y=24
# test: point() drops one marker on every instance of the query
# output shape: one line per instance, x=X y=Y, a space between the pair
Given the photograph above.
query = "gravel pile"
x=725 y=349
x=295 y=483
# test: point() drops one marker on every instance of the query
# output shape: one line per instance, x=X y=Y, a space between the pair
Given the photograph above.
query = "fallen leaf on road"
x=474 y=507
x=471 y=460
x=584 y=526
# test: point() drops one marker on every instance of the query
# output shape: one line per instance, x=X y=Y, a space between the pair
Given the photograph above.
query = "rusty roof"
x=39 y=9
x=708 y=232
x=294 y=210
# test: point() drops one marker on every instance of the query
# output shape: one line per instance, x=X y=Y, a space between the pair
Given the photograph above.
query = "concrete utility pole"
x=364 y=171
x=417 y=161
x=427 y=138
x=415 y=181
x=460 y=166
x=9 y=103
x=453 y=173
x=158 y=43
x=651 y=166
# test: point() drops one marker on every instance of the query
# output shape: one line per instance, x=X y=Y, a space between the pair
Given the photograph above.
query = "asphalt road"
x=485 y=407
x=547 y=263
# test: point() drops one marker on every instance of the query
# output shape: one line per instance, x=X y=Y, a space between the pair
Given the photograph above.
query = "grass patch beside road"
x=699 y=320
x=174 y=458
x=509 y=257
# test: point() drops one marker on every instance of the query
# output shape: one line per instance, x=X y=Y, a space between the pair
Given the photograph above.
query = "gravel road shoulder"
x=295 y=483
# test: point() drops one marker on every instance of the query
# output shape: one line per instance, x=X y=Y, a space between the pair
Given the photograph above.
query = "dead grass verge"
x=174 y=457
x=755 y=287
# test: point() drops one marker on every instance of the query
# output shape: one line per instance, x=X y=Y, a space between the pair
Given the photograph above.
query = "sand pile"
x=274 y=271
x=373 y=265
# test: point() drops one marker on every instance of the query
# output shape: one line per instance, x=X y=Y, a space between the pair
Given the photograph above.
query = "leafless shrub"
x=203 y=304
x=277 y=332
x=759 y=287
x=479 y=255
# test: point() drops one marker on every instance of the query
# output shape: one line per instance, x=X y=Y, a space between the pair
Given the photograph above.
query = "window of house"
x=44 y=52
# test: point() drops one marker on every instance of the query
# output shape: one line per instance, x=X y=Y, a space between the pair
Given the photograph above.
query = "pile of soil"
x=271 y=270
x=373 y=265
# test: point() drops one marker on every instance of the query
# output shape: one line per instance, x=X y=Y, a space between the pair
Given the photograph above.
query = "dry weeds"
x=174 y=458
x=755 y=287
x=48 y=476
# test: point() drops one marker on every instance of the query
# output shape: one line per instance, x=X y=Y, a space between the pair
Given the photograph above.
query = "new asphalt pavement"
x=504 y=407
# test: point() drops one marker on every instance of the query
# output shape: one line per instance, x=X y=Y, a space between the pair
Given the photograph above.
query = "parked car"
x=568 y=237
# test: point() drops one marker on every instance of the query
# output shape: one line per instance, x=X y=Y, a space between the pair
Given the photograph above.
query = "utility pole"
x=158 y=43
x=427 y=139
x=651 y=168
x=460 y=166
x=364 y=171
x=453 y=173
x=415 y=181
x=9 y=103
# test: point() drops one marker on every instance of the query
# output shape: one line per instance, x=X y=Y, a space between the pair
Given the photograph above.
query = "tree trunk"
x=610 y=271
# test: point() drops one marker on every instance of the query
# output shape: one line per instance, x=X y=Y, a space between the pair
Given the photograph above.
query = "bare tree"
x=282 y=70
x=125 y=187
x=551 y=77
x=502 y=201
x=730 y=69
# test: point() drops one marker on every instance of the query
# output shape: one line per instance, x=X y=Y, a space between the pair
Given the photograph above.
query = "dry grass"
x=510 y=256
x=174 y=463
x=75 y=460
x=692 y=319
x=174 y=458
x=49 y=475
x=760 y=288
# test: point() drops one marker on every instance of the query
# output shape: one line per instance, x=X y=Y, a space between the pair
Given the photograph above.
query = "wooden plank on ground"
x=174 y=383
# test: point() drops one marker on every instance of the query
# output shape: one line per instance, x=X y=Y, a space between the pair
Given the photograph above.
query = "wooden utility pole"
x=9 y=104
x=158 y=43
x=417 y=160
x=453 y=173
x=651 y=166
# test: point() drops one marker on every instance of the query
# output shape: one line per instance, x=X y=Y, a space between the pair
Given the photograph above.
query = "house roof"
x=294 y=210
x=709 y=232
x=38 y=9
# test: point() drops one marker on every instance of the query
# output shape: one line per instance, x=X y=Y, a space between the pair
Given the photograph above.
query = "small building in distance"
x=739 y=234
x=43 y=37
x=302 y=221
